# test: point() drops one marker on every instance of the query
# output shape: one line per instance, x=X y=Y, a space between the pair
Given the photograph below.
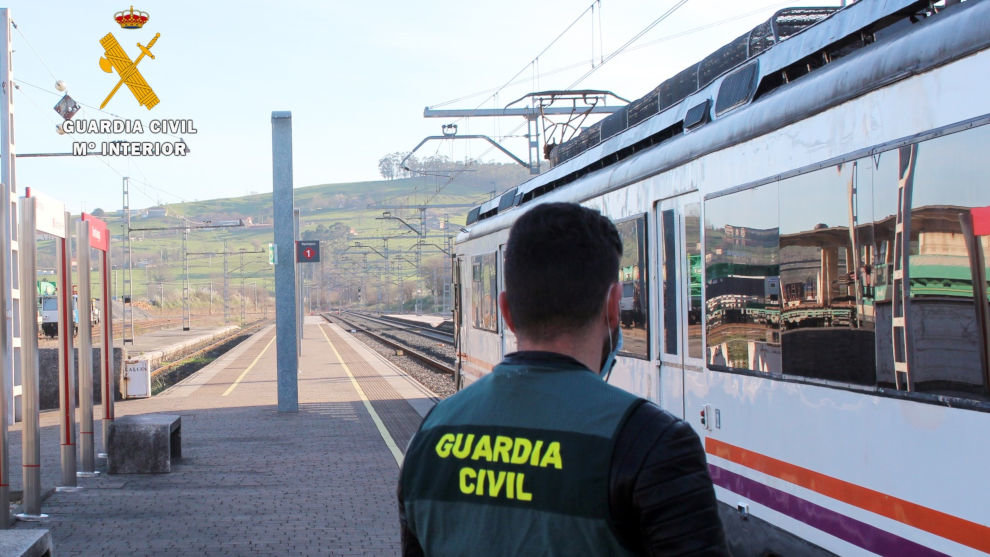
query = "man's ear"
x=503 y=306
x=612 y=305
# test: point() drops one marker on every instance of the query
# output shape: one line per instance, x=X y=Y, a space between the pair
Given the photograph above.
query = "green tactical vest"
x=517 y=464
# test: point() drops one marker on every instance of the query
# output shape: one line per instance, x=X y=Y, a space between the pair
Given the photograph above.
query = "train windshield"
x=49 y=304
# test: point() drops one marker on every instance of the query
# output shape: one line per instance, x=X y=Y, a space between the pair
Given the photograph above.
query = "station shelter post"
x=66 y=361
x=30 y=435
x=91 y=233
x=9 y=255
x=108 y=383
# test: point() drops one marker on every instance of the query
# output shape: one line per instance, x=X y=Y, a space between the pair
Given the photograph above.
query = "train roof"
x=794 y=42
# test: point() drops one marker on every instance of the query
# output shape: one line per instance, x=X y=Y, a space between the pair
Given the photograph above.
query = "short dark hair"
x=560 y=261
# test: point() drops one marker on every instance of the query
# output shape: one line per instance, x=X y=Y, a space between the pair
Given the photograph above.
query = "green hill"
x=359 y=224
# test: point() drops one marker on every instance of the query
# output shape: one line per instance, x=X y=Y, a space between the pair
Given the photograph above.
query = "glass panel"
x=633 y=310
x=669 y=281
x=945 y=341
x=827 y=332
x=484 y=290
x=692 y=243
x=742 y=294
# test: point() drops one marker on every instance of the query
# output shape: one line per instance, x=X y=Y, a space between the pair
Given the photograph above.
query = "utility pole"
x=242 y=285
x=226 y=292
x=127 y=312
x=185 y=282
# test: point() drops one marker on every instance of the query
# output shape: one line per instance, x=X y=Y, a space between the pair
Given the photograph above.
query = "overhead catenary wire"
x=36 y=53
x=635 y=38
x=583 y=63
x=535 y=60
x=654 y=42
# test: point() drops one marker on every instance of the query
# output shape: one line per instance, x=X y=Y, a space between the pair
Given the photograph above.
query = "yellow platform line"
x=248 y=368
x=389 y=442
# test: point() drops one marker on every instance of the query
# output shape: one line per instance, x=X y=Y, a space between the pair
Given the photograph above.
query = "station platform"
x=170 y=342
x=252 y=481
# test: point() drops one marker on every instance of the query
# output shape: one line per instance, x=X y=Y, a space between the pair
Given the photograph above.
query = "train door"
x=506 y=337
x=680 y=263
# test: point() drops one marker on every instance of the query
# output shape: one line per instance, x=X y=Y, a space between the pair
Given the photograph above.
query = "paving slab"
x=252 y=481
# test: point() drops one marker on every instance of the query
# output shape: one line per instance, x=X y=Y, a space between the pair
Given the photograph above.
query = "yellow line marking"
x=389 y=442
x=248 y=368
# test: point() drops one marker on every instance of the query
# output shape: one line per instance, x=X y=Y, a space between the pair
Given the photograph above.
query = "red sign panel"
x=981 y=221
x=99 y=234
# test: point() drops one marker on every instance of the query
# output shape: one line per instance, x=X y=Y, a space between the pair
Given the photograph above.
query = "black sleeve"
x=661 y=498
x=410 y=545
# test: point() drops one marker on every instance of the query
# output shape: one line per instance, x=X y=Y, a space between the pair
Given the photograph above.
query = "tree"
x=97 y=212
x=386 y=168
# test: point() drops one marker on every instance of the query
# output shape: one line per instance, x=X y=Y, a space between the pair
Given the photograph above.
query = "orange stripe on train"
x=941 y=524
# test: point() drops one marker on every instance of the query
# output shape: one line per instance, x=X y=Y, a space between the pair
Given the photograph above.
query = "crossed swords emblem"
x=117 y=59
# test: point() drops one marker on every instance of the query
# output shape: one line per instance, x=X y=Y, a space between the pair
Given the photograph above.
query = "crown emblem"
x=131 y=19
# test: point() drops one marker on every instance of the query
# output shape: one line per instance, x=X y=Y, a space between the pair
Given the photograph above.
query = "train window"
x=826 y=317
x=692 y=238
x=633 y=306
x=669 y=257
x=742 y=274
x=943 y=342
x=737 y=88
x=484 y=292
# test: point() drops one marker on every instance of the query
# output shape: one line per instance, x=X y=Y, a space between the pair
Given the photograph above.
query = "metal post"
x=185 y=281
x=242 y=285
x=31 y=436
x=86 y=456
x=66 y=367
x=299 y=282
x=126 y=273
x=9 y=358
x=226 y=293
x=107 y=379
x=285 y=284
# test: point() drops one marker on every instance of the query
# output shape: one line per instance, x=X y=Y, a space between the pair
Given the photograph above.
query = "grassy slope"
x=157 y=255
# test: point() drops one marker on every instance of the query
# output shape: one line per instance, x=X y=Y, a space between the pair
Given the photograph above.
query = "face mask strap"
x=613 y=349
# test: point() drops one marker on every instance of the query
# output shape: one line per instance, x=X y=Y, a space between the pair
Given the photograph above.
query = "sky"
x=355 y=75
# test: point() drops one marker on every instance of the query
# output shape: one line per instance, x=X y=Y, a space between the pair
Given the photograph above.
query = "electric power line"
x=618 y=51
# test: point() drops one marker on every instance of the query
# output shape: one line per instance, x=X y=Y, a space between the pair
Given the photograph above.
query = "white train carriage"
x=805 y=237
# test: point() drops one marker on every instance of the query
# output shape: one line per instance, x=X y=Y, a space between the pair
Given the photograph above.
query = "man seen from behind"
x=541 y=456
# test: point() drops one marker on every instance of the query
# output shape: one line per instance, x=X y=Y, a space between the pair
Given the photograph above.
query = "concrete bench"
x=29 y=542
x=144 y=444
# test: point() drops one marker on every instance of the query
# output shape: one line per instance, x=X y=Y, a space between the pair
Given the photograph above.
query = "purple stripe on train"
x=839 y=525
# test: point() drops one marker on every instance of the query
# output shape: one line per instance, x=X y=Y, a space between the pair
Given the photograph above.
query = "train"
x=806 y=226
x=48 y=314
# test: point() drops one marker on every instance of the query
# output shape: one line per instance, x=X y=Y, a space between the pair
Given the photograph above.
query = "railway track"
x=400 y=339
x=404 y=325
